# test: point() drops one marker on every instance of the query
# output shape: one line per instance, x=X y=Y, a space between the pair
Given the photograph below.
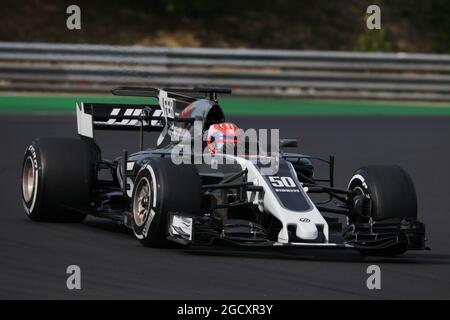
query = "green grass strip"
x=233 y=106
x=284 y=107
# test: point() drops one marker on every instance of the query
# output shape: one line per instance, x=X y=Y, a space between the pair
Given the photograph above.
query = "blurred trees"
x=413 y=25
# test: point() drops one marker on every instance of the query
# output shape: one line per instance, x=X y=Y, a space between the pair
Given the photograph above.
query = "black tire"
x=392 y=196
x=57 y=178
x=172 y=188
x=391 y=190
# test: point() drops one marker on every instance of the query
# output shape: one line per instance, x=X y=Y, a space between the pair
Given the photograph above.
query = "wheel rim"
x=28 y=179
x=142 y=201
x=359 y=191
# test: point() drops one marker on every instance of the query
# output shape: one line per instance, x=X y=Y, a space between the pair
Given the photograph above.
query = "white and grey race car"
x=258 y=197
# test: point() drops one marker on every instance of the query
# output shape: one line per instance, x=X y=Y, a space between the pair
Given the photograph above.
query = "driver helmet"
x=223 y=136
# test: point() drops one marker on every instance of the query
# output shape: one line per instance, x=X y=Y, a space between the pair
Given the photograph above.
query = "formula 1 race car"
x=206 y=183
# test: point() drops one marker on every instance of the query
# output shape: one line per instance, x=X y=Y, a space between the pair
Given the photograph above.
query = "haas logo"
x=128 y=112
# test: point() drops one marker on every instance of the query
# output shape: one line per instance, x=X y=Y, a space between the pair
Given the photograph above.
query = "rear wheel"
x=57 y=177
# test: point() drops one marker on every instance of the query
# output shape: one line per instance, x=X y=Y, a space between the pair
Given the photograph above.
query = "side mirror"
x=288 y=143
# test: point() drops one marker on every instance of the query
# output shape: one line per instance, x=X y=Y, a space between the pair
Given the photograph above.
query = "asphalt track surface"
x=34 y=256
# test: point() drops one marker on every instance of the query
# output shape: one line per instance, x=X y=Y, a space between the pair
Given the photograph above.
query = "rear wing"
x=144 y=117
x=139 y=117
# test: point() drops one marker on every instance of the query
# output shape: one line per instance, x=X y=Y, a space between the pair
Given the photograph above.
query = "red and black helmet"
x=221 y=135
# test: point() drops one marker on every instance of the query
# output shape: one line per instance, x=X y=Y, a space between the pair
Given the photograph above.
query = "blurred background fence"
x=68 y=68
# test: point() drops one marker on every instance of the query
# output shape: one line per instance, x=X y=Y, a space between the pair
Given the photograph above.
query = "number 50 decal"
x=280 y=182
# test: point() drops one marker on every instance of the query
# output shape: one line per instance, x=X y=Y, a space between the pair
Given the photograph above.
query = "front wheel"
x=390 y=190
x=383 y=214
x=162 y=188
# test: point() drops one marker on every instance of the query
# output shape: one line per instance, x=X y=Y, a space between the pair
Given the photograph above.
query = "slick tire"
x=57 y=178
x=392 y=195
x=160 y=188
x=391 y=190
